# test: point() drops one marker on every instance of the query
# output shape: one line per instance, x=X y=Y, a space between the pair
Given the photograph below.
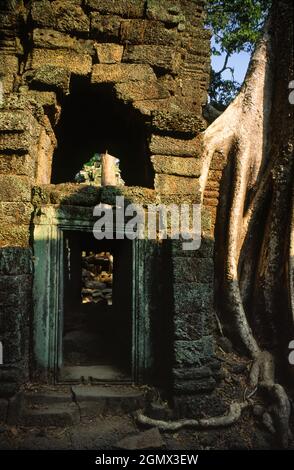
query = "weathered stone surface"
x=176 y=184
x=193 y=296
x=67 y=194
x=13 y=327
x=177 y=123
x=52 y=39
x=134 y=194
x=125 y=8
x=184 y=198
x=117 y=73
x=9 y=70
x=170 y=146
x=14 y=235
x=46 y=397
x=195 y=386
x=109 y=53
x=193 y=353
x=14 y=261
x=52 y=77
x=93 y=393
x=96 y=400
x=59 y=415
x=146 y=107
x=18 y=143
x=106 y=28
x=192 y=92
x=15 y=212
x=11 y=121
x=141 y=90
x=192 y=373
x=17 y=165
x=206 y=249
x=150 y=439
x=22 y=102
x=42 y=13
x=189 y=326
x=167 y=11
x=15 y=188
x=147 y=32
x=79 y=64
x=162 y=57
x=13 y=291
x=48 y=101
x=192 y=270
x=70 y=17
x=176 y=165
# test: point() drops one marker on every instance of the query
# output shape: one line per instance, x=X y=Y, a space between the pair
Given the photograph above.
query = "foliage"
x=236 y=26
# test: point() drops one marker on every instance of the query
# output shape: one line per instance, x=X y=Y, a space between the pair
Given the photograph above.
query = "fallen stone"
x=150 y=439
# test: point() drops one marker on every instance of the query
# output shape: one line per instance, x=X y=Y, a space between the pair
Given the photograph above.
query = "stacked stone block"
x=155 y=56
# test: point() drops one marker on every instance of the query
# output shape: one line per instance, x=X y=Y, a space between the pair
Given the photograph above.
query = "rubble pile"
x=97 y=277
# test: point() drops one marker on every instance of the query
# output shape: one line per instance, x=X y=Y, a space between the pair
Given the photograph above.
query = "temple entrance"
x=97 y=309
x=90 y=316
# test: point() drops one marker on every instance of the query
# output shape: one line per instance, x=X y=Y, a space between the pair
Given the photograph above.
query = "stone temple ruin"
x=80 y=77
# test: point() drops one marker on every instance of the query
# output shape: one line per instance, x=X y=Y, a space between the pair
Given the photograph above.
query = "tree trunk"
x=254 y=231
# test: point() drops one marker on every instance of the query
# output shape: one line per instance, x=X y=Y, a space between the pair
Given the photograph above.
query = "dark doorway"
x=97 y=309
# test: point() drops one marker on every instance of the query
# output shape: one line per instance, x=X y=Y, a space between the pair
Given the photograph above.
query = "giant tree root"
x=243 y=136
x=232 y=417
x=263 y=374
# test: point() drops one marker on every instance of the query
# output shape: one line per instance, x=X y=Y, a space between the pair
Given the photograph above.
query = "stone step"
x=99 y=400
x=58 y=415
x=49 y=397
x=65 y=406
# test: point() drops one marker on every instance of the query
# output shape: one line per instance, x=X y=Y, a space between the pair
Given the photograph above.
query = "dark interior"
x=93 y=121
x=97 y=323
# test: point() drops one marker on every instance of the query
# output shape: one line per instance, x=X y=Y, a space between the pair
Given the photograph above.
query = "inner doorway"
x=96 y=333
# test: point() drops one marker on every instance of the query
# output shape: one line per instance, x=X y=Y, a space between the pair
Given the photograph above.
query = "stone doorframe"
x=50 y=222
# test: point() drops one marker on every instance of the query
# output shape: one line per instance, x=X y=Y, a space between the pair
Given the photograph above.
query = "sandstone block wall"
x=156 y=57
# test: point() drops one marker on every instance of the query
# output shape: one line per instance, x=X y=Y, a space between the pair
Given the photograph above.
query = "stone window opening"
x=92 y=122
